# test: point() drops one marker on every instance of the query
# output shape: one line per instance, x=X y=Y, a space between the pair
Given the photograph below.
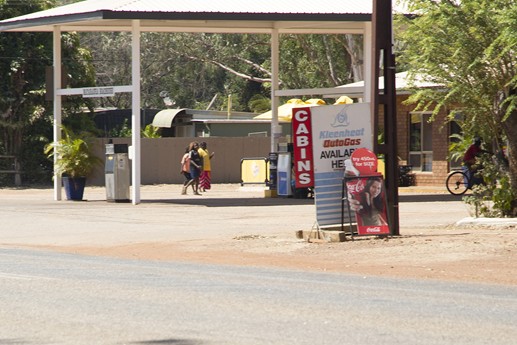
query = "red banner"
x=302 y=147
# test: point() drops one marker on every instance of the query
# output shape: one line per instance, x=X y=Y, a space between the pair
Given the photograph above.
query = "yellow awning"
x=285 y=111
x=344 y=100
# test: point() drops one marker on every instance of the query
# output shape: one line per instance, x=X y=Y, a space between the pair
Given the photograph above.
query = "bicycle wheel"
x=457 y=183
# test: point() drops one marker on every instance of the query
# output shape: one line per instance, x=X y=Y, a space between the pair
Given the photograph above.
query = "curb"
x=487 y=221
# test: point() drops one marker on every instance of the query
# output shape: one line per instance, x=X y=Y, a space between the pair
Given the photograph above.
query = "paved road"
x=50 y=298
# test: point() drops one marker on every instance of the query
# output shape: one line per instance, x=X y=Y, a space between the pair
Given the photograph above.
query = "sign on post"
x=107 y=91
x=366 y=194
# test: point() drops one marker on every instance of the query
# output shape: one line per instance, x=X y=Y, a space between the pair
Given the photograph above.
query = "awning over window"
x=164 y=118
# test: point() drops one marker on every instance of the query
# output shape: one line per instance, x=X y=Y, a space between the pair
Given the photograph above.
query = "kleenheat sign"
x=323 y=142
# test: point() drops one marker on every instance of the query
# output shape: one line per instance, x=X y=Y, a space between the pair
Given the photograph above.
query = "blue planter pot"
x=74 y=187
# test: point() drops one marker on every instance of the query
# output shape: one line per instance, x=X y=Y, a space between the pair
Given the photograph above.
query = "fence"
x=15 y=169
x=160 y=157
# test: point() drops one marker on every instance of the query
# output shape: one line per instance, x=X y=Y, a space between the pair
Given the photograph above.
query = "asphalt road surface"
x=51 y=298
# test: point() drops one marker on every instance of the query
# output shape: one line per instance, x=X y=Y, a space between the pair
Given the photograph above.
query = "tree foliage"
x=25 y=124
x=194 y=67
x=23 y=57
x=470 y=48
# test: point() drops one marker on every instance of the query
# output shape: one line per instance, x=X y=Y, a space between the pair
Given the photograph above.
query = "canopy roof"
x=164 y=118
x=243 y=16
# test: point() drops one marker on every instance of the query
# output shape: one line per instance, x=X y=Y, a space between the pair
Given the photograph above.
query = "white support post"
x=368 y=51
x=135 y=127
x=367 y=65
x=275 y=58
x=57 y=103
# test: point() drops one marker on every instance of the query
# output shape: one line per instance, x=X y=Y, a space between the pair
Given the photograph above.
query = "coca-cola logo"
x=355 y=186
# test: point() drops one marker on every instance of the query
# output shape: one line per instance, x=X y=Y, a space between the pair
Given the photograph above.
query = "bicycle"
x=459 y=181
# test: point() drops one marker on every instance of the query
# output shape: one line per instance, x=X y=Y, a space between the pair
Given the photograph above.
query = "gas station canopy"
x=205 y=16
x=290 y=16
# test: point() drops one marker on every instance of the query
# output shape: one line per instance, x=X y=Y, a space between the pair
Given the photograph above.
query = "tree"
x=193 y=67
x=25 y=124
x=23 y=57
x=469 y=47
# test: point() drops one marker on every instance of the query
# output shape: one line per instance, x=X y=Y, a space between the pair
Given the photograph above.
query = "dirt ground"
x=431 y=245
x=480 y=254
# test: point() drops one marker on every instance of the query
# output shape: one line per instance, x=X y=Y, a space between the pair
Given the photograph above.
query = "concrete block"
x=321 y=235
x=270 y=193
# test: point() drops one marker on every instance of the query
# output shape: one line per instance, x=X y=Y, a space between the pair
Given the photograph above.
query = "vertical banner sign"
x=324 y=137
x=366 y=194
x=302 y=148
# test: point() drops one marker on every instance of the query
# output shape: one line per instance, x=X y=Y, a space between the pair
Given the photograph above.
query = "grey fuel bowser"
x=117 y=173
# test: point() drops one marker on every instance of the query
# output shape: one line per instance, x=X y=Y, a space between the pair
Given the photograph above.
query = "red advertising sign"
x=365 y=161
x=366 y=194
x=302 y=147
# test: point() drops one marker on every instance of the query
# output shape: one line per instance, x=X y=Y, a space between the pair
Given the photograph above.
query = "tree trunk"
x=356 y=55
x=510 y=128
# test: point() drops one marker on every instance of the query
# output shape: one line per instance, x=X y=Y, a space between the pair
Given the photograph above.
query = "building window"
x=420 y=142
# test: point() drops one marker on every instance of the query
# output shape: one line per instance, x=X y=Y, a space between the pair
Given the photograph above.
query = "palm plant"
x=74 y=155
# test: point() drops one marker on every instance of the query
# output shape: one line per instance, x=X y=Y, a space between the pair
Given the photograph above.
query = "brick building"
x=421 y=144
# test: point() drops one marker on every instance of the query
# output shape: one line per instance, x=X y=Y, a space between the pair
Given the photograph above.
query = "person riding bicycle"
x=470 y=161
